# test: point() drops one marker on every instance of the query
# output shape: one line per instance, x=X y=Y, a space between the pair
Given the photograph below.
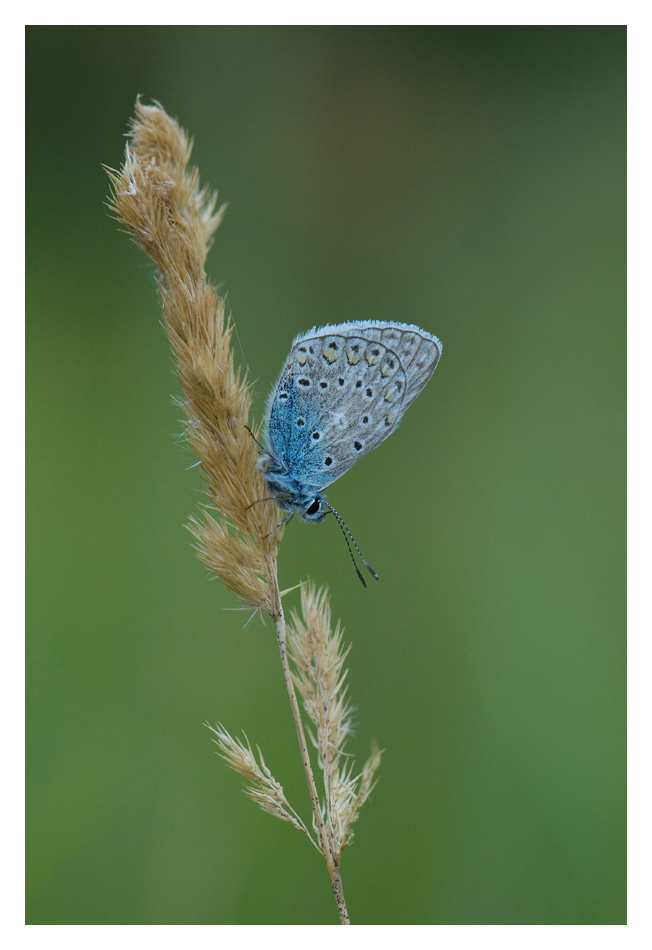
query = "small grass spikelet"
x=318 y=657
x=262 y=788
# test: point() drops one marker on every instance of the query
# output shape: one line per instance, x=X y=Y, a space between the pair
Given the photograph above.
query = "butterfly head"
x=290 y=494
x=311 y=506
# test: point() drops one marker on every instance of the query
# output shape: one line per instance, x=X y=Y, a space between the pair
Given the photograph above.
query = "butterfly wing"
x=342 y=391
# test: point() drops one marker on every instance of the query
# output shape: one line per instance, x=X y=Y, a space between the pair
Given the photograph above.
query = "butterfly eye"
x=314 y=507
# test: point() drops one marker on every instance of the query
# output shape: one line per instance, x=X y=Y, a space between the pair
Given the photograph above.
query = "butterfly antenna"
x=346 y=531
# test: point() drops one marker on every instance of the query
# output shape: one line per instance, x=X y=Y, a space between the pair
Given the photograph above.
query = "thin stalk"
x=325 y=833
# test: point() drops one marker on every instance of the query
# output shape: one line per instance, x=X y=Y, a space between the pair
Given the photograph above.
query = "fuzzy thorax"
x=289 y=493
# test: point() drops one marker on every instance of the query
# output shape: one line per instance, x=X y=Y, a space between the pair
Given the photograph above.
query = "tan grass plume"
x=157 y=196
x=159 y=199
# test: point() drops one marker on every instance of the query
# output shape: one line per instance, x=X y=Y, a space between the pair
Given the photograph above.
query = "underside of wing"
x=342 y=392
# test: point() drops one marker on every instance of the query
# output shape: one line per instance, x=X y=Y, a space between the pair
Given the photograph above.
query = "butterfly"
x=342 y=391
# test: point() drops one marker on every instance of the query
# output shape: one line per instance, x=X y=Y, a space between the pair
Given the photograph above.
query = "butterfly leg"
x=258 y=501
x=281 y=523
x=254 y=438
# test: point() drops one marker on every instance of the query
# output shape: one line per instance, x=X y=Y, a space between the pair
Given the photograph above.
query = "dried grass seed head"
x=159 y=199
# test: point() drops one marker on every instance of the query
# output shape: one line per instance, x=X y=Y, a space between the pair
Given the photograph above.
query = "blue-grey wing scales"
x=342 y=391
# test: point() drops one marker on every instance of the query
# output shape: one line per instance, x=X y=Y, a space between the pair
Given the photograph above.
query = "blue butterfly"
x=342 y=391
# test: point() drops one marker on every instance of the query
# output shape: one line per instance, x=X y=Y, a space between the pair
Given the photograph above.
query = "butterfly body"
x=342 y=391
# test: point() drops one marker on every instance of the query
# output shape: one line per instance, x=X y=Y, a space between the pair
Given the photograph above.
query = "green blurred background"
x=470 y=180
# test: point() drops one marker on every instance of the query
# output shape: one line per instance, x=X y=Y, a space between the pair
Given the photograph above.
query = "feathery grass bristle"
x=261 y=787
